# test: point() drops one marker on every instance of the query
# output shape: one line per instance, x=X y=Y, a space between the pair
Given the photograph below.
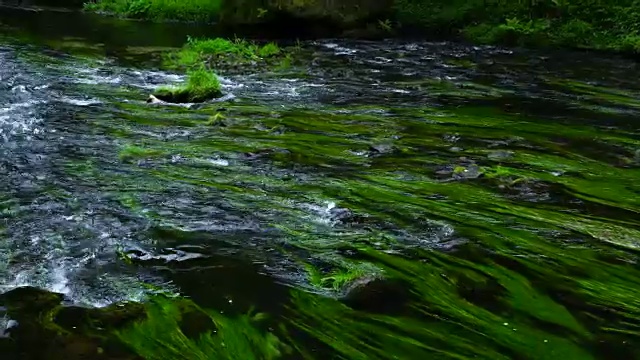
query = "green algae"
x=132 y=152
x=546 y=237
x=525 y=304
x=162 y=334
x=599 y=95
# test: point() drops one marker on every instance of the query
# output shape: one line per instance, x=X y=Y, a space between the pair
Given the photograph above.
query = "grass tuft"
x=201 y=85
x=219 y=52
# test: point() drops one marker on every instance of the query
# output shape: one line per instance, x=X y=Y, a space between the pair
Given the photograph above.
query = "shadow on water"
x=112 y=33
x=396 y=199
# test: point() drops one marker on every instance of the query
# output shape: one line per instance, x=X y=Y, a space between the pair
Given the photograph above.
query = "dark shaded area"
x=378 y=295
x=64 y=4
x=45 y=329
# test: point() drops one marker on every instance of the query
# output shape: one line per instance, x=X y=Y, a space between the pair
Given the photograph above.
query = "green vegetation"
x=162 y=334
x=595 y=24
x=201 y=85
x=132 y=152
x=191 y=10
x=198 y=55
x=537 y=254
x=222 y=53
x=599 y=24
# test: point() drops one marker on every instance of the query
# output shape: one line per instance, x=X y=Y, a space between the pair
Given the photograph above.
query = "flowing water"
x=383 y=200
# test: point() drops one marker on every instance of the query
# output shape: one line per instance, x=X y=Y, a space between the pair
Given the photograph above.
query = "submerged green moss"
x=513 y=232
x=132 y=152
x=168 y=332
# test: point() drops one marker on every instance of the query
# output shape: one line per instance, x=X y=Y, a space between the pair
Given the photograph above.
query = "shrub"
x=238 y=51
x=185 y=10
x=576 y=32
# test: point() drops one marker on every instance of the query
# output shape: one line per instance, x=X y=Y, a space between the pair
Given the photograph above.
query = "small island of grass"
x=198 y=56
x=201 y=85
x=221 y=53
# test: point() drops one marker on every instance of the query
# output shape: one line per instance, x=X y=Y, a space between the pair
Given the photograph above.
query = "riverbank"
x=610 y=26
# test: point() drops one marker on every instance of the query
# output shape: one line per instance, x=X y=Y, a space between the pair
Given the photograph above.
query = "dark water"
x=384 y=200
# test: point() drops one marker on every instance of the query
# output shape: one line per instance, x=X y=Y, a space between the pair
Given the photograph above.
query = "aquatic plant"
x=179 y=329
x=220 y=53
x=132 y=152
x=513 y=229
x=201 y=85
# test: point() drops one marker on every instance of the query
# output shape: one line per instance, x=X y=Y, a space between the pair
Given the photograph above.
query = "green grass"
x=201 y=85
x=191 y=10
x=220 y=52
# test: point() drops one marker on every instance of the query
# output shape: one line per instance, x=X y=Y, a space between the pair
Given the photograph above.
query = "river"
x=384 y=200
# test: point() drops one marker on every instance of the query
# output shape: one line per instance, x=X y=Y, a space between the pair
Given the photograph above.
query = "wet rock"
x=487 y=294
x=168 y=255
x=500 y=155
x=194 y=323
x=6 y=326
x=379 y=149
x=340 y=214
x=154 y=100
x=452 y=138
x=266 y=153
x=469 y=172
x=451 y=245
x=529 y=190
x=184 y=95
x=377 y=294
x=30 y=300
x=83 y=320
x=34 y=334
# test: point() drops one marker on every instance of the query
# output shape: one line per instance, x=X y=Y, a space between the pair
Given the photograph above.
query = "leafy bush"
x=630 y=43
x=186 y=10
x=512 y=32
x=238 y=51
x=576 y=32
x=611 y=24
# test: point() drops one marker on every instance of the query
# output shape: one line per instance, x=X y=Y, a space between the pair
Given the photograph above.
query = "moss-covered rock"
x=42 y=328
x=202 y=85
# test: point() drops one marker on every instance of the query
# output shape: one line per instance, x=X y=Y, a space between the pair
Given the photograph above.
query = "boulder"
x=377 y=294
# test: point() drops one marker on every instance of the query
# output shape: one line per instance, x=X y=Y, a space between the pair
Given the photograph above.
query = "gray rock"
x=381 y=148
x=500 y=155
x=469 y=172
x=377 y=294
